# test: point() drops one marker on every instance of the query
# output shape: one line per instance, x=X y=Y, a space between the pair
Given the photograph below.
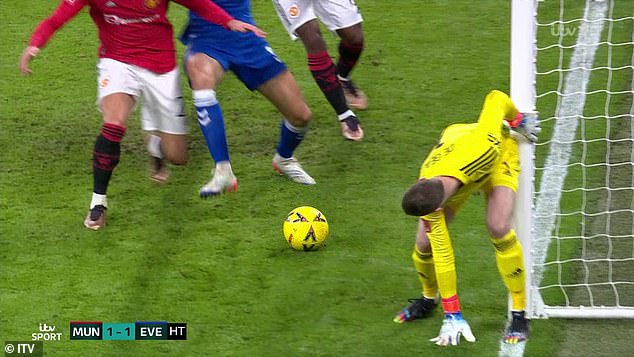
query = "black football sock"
x=106 y=156
x=324 y=72
x=348 y=58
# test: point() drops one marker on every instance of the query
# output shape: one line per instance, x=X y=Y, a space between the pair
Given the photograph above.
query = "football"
x=305 y=228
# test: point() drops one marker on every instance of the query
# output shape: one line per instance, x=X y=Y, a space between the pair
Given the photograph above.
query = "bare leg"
x=116 y=109
x=164 y=146
x=284 y=93
x=350 y=49
x=500 y=202
x=311 y=37
x=204 y=72
x=508 y=249
x=324 y=72
x=174 y=146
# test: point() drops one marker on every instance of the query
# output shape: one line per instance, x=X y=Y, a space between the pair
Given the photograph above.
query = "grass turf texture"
x=222 y=265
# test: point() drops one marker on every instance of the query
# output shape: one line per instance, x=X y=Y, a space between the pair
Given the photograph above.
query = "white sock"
x=345 y=115
x=98 y=199
x=204 y=97
x=154 y=146
x=224 y=166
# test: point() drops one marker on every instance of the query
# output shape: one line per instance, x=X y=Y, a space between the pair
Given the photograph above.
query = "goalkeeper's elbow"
x=498 y=96
x=504 y=102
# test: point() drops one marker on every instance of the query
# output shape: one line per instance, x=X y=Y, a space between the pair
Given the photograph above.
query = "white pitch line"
x=571 y=107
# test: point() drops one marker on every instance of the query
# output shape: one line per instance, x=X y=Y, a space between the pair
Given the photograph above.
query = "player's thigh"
x=284 y=92
x=117 y=90
x=203 y=71
x=294 y=13
x=501 y=187
x=163 y=112
x=338 y=14
x=117 y=107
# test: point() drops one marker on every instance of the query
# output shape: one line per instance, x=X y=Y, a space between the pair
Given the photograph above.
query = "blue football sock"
x=212 y=123
x=290 y=137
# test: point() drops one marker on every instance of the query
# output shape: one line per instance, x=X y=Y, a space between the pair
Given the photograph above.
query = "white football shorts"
x=334 y=14
x=162 y=107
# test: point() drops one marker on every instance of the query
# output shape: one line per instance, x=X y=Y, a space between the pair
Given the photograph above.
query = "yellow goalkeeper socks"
x=424 y=263
x=510 y=262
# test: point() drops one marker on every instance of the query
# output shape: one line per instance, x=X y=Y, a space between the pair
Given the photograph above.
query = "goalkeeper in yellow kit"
x=481 y=156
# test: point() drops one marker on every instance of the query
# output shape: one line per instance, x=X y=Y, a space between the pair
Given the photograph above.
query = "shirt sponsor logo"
x=116 y=20
x=110 y=4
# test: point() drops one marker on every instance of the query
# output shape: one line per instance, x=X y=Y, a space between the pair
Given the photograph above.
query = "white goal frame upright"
x=523 y=56
x=535 y=240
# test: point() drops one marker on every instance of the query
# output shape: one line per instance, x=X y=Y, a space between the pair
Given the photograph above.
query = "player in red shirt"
x=137 y=58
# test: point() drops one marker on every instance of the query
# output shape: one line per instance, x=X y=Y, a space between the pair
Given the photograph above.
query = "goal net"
x=581 y=249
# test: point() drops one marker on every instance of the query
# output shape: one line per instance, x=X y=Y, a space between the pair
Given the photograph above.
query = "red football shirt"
x=131 y=31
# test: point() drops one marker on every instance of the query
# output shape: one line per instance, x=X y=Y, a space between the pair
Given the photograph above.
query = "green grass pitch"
x=222 y=265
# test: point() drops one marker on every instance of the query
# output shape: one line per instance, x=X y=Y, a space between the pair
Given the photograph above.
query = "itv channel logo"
x=24 y=348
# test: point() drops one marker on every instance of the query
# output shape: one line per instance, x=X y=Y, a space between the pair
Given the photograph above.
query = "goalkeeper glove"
x=526 y=125
x=453 y=326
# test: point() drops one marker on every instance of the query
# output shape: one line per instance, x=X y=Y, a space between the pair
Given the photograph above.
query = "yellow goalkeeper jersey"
x=477 y=154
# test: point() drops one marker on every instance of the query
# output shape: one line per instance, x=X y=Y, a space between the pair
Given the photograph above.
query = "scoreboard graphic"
x=123 y=331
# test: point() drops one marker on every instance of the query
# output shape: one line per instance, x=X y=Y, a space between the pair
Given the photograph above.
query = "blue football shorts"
x=248 y=56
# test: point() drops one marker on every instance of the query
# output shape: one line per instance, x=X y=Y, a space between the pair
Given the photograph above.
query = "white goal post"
x=573 y=61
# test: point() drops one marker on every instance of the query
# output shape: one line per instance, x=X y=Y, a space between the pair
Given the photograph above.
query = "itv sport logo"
x=46 y=333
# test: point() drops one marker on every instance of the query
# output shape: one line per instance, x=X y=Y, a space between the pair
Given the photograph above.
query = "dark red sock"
x=348 y=58
x=106 y=155
x=325 y=74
